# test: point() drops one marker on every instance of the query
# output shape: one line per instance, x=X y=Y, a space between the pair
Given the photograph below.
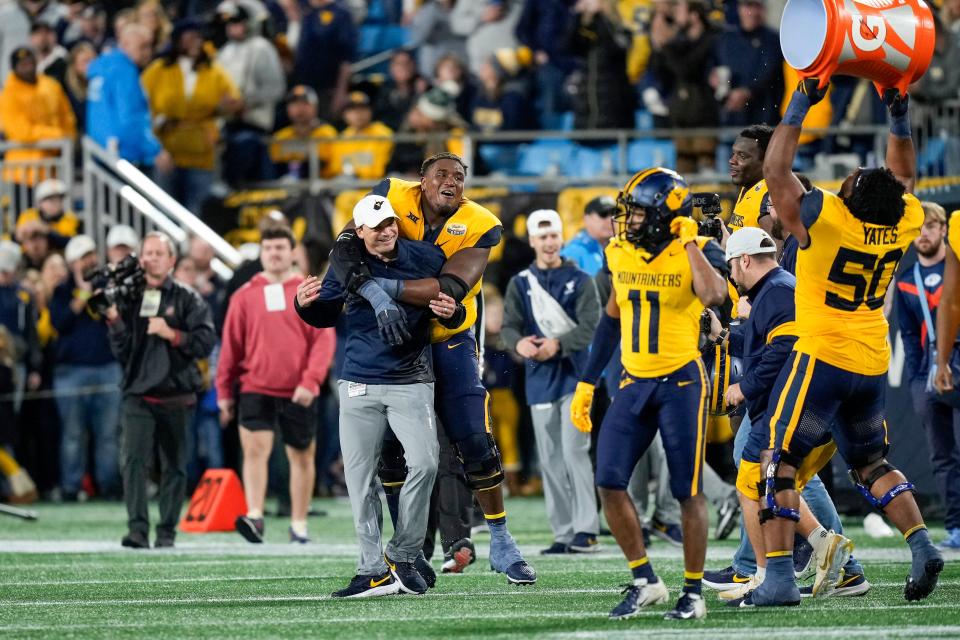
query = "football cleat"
x=853 y=585
x=250 y=528
x=584 y=543
x=462 y=554
x=669 y=532
x=425 y=569
x=803 y=561
x=637 y=595
x=506 y=558
x=725 y=579
x=739 y=591
x=920 y=589
x=829 y=570
x=728 y=515
x=368 y=586
x=555 y=549
x=690 y=606
x=407 y=577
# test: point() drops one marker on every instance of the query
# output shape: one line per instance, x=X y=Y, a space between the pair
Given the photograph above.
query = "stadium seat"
x=500 y=158
x=545 y=157
x=592 y=162
x=557 y=121
x=642 y=120
x=650 y=153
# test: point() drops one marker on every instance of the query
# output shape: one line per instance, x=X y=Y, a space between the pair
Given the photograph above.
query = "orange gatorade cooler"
x=887 y=41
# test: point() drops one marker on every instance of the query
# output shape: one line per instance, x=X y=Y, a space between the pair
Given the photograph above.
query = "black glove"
x=392 y=322
x=897 y=105
x=348 y=262
x=810 y=87
x=454 y=321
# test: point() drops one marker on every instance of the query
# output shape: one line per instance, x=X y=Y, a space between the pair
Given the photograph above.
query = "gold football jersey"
x=953 y=231
x=842 y=278
x=659 y=311
x=471 y=226
x=752 y=204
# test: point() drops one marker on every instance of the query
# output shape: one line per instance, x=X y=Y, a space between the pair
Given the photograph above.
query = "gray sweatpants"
x=567 y=473
x=366 y=411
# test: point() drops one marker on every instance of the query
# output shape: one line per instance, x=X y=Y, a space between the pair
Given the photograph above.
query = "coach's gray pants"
x=567 y=473
x=407 y=409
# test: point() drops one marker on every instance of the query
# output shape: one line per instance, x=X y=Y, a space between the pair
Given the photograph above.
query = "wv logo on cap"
x=377 y=205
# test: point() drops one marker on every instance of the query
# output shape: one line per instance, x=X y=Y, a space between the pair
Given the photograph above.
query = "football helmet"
x=661 y=195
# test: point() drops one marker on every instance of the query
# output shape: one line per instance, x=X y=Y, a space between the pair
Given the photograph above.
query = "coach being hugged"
x=158 y=337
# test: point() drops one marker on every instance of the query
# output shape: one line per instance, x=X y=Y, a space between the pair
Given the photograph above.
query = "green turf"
x=66 y=576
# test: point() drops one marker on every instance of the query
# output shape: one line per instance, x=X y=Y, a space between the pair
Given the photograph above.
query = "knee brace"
x=864 y=486
x=392 y=469
x=481 y=461
x=769 y=490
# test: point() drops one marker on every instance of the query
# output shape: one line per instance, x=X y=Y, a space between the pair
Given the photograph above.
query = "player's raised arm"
x=901 y=156
x=948 y=321
x=708 y=284
x=782 y=185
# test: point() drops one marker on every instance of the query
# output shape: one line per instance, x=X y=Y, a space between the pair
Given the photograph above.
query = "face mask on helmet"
x=650 y=201
x=644 y=227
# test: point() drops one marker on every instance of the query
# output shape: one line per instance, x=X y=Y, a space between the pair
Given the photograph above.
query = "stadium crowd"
x=195 y=90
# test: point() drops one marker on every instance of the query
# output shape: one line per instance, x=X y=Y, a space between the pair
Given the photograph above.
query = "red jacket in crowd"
x=267 y=347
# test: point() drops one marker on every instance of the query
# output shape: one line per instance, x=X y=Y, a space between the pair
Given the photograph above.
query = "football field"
x=67 y=576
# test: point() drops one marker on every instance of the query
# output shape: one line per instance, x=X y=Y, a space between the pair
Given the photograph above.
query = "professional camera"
x=709 y=204
x=115 y=284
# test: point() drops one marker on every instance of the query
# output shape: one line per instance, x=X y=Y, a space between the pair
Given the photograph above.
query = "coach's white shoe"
x=830 y=559
x=740 y=591
x=638 y=595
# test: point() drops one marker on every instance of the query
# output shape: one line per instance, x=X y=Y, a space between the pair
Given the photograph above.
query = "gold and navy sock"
x=692 y=581
x=496 y=518
x=642 y=569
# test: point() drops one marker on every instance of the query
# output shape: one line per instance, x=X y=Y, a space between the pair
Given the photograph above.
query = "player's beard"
x=933 y=249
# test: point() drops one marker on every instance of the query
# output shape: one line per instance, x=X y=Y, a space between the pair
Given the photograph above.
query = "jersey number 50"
x=878 y=269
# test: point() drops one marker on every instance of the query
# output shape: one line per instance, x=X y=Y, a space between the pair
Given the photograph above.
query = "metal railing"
x=19 y=177
x=612 y=147
x=936 y=130
x=116 y=192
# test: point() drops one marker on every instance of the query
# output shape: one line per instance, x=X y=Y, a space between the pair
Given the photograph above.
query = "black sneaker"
x=638 y=594
x=163 y=542
x=407 y=576
x=803 y=564
x=135 y=540
x=556 y=548
x=669 y=532
x=425 y=569
x=369 y=586
x=250 y=528
x=690 y=606
x=584 y=543
x=849 y=586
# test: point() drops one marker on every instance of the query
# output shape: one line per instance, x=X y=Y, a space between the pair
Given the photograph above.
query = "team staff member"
x=834 y=383
x=383 y=385
x=764 y=341
x=663 y=276
x=435 y=210
x=158 y=340
x=916 y=317
x=280 y=364
x=551 y=313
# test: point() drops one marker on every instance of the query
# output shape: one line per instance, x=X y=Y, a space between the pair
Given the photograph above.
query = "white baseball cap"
x=749 y=241
x=9 y=256
x=536 y=220
x=372 y=210
x=48 y=189
x=78 y=247
x=121 y=234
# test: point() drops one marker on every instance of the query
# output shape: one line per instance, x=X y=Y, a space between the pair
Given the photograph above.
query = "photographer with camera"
x=86 y=377
x=158 y=333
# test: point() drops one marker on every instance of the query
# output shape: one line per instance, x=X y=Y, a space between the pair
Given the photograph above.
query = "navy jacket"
x=913 y=328
x=772 y=311
x=755 y=63
x=366 y=357
x=788 y=257
x=327 y=40
x=19 y=315
x=82 y=339
x=575 y=291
